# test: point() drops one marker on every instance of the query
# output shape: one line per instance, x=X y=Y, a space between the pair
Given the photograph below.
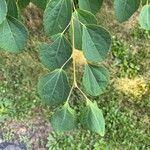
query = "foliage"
x=61 y=17
x=64 y=119
x=124 y=9
x=127 y=122
x=124 y=128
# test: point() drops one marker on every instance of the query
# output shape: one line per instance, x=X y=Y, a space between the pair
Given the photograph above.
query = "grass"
x=126 y=114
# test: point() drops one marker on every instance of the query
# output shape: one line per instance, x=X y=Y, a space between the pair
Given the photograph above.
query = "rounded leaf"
x=96 y=43
x=145 y=17
x=124 y=9
x=13 y=37
x=95 y=79
x=92 y=118
x=64 y=119
x=3 y=10
x=55 y=55
x=57 y=16
x=54 y=88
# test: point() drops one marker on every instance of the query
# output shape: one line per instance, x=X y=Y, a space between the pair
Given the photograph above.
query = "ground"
x=126 y=102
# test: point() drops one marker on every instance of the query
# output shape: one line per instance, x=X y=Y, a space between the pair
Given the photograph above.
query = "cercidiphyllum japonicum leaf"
x=54 y=88
x=55 y=55
x=13 y=35
x=3 y=10
x=144 y=19
x=84 y=17
x=57 y=16
x=92 y=118
x=95 y=79
x=64 y=119
x=96 y=43
x=40 y=3
x=23 y=3
x=12 y=8
x=90 y=5
x=124 y=9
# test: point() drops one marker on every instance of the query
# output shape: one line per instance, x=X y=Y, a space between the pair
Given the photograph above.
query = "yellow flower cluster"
x=79 y=57
x=136 y=87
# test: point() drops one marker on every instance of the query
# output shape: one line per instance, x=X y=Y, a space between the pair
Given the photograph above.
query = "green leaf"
x=124 y=9
x=95 y=79
x=40 y=3
x=12 y=8
x=57 y=16
x=96 y=43
x=92 y=118
x=64 y=119
x=84 y=17
x=90 y=5
x=13 y=37
x=3 y=10
x=23 y=3
x=54 y=88
x=55 y=55
x=145 y=17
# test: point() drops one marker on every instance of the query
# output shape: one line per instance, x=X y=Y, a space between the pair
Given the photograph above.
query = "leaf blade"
x=55 y=55
x=92 y=118
x=90 y=5
x=98 y=45
x=54 y=88
x=14 y=33
x=124 y=9
x=57 y=16
x=95 y=79
x=3 y=11
x=64 y=119
x=84 y=17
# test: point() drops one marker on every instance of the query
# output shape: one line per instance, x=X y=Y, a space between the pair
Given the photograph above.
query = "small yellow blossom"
x=136 y=87
x=79 y=58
